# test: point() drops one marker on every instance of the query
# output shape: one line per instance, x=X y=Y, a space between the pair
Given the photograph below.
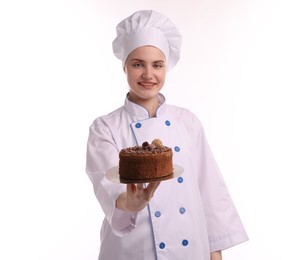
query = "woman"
x=190 y=217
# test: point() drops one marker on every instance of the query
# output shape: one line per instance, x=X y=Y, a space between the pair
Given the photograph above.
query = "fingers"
x=153 y=185
x=137 y=196
x=131 y=188
x=157 y=185
x=139 y=188
x=151 y=188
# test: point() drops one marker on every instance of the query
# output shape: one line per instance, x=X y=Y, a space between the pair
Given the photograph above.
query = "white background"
x=58 y=73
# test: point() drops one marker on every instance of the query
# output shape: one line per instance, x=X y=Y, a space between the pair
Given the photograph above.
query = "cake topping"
x=155 y=147
x=145 y=145
x=148 y=147
x=157 y=143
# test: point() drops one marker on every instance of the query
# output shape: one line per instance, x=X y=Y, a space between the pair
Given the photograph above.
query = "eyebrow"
x=144 y=61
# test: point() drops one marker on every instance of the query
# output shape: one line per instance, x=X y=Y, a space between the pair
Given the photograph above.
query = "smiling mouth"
x=147 y=85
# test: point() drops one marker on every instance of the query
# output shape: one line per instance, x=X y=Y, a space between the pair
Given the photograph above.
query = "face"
x=146 y=72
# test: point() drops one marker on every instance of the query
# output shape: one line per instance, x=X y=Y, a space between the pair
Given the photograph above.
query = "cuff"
x=123 y=222
x=228 y=241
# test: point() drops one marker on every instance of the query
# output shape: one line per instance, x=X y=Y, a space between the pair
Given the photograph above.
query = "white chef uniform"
x=189 y=216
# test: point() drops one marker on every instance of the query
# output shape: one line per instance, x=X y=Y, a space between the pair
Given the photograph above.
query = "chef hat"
x=147 y=27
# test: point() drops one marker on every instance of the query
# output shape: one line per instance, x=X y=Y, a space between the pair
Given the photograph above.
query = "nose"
x=147 y=73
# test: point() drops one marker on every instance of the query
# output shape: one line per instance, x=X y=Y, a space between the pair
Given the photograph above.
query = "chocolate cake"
x=146 y=162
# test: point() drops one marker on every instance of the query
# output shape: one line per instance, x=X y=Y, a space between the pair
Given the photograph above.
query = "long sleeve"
x=225 y=228
x=102 y=154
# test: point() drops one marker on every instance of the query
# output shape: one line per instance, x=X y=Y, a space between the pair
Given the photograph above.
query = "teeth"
x=147 y=84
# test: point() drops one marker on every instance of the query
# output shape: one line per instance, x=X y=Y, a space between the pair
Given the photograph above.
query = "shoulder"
x=109 y=117
x=184 y=115
x=107 y=120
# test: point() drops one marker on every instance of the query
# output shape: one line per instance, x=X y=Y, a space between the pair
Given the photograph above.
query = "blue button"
x=162 y=245
x=138 y=125
x=157 y=214
x=182 y=210
x=167 y=122
x=184 y=242
x=176 y=149
x=180 y=179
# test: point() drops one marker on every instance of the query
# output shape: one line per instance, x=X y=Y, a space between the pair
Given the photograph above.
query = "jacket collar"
x=138 y=112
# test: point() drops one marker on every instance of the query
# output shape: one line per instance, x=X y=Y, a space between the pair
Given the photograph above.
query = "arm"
x=102 y=154
x=216 y=255
x=224 y=225
x=120 y=204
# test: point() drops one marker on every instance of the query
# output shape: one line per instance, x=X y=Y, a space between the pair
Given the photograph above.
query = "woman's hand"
x=136 y=196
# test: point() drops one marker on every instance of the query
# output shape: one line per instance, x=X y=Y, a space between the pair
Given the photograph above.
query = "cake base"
x=113 y=176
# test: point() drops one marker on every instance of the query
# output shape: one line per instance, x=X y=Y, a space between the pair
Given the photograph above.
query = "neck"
x=151 y=105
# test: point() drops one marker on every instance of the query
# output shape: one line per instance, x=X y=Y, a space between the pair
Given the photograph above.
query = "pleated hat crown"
x=147 y=27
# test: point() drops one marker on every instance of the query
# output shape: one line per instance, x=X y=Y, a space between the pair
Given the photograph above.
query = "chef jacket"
x=189 y=216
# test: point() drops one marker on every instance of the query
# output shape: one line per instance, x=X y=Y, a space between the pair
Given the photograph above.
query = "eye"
x=158 y=65
x=137 y=65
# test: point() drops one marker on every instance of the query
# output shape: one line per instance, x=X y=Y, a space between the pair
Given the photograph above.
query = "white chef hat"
x=147 y=27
